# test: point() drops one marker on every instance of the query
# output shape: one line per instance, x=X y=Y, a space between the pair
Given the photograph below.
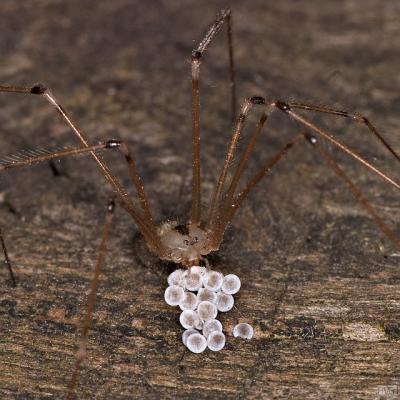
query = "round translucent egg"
x=212 y=325
x=216 y=341
x=231 y=284
x=206 y=295
x=189 y=319
x=224 y=302
x=186 y=334
x=175 y=278
x=198 y=270
x=207 y=310
x=189 y=301
x=196 y=343
x=213 y=280
x=173 y=295
x=243 y=330
x=193 y=281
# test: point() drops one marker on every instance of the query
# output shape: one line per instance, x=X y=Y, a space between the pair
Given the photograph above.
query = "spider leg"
x=37 y=156
x=355 y=190
x=353 y=116
x=284 y=107
x=88 y=320
x=216 y=198
x=228 y=196
x=7 y=259
x=146 y=225
x=197 y=54
x=228 y=210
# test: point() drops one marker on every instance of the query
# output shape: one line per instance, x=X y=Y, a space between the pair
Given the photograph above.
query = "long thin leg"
x=7 y=259
x=234 y=205
x=355 y=190
x=215 y=201
x=197 y=54
x=353 y=116
x=29 y=157
x=227 y=213
x=228 y=196
x=36 y=156
x=87 y=323
x=146 y=226
x=222 y=208
x=303 y=121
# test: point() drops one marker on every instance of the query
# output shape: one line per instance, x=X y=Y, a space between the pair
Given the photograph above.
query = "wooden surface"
x=320 y=283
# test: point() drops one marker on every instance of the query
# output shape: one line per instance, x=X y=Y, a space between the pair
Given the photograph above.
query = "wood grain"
x=320 y=283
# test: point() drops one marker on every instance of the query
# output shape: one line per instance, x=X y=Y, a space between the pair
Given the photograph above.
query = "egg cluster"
x=200 y=294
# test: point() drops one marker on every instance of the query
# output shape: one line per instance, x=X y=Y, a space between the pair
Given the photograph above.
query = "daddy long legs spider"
x=180 y=245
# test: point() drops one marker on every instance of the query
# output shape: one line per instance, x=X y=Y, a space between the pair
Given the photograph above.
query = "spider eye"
x=195 y=239
x=186 y=242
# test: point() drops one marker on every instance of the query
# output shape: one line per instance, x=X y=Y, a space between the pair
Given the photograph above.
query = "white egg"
x=213 y=280
x=175 y=278
x=173 y=295
x=211 y=325
x=206 y=295
x=189 y=301
x=207 y=310
x=231 y=284
x=243 y=330
x=186 y=334
x=224 y=302
x=198 y=270
x=189 y=319
x=196 y=343
x=193 y=281
x=216 y=341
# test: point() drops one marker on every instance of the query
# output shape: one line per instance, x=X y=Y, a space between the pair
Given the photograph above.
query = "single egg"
x=193 y=281
x=196 y=343
x=186 y=334
x=224 y=302
x=175 y=278
x=210 y=326
x=207 y=310
x=243 y=330
x=189 y=301
x=173 y=295
x=198 y=270
x=213 y=280
x=231 y=284
x=216 y=341
x=206 y=295
x=189 y=319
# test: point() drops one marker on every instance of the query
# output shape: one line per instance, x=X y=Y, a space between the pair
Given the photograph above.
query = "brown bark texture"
x=320 y=283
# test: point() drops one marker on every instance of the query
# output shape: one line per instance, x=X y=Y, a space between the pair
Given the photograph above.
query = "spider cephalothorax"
x=184 y=244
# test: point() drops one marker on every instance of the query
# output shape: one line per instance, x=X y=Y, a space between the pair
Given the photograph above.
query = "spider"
x=190 y=243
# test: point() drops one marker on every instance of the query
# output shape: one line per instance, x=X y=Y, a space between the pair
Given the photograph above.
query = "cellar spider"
x=189 y=244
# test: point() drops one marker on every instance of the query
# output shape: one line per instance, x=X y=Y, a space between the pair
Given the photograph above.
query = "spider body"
x=184 y=244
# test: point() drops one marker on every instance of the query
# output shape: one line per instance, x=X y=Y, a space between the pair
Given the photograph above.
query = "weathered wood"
x=320 y=283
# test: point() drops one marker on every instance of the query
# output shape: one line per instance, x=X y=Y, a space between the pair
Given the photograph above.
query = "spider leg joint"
x=257 y=100
x=196 y=55
x=311 y=138
x=113 y=143
x=38 y=89
x=281 y=105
